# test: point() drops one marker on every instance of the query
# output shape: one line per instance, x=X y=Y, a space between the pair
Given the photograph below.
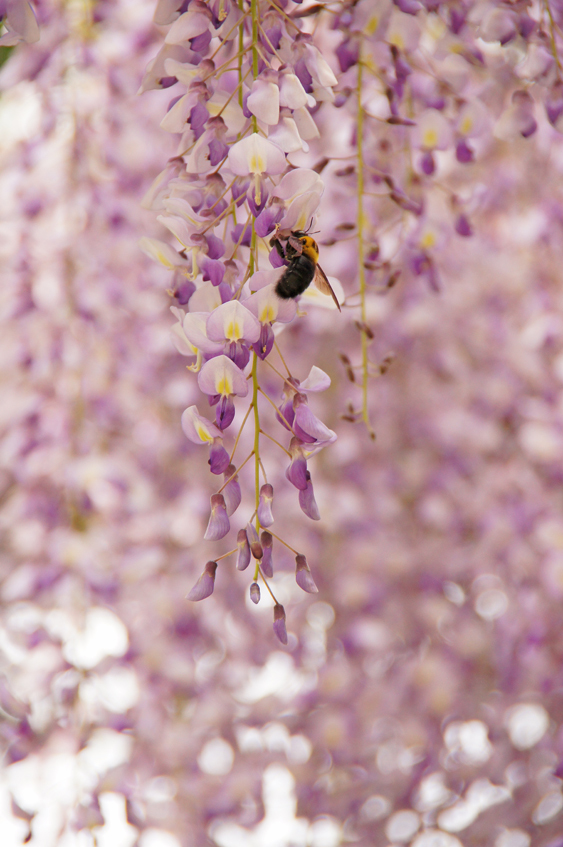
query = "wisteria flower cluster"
x=230 y=197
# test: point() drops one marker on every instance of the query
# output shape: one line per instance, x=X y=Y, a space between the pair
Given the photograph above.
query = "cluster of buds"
x=249 y=77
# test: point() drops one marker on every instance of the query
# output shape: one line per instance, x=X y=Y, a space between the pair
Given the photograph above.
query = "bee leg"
x=275 y=242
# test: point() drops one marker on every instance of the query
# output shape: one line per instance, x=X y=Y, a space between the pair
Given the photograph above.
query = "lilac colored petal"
x=198 y=118
x=238 y=353
x=215 y=246
x=225 y=411
x=184 y=291
x=303 y=575
x=427 y=164
x=317 y=380
x=276 y=260
x=212 y=269
x=307 y=501
x=297 y=182
x=296 y=473
x=292 y=93
x=231 y=491
x=409 y=7
x=286 y=414
x=463 y=152
x=260 y=191
x=287 y=136
x=233 y=321
x=205 y=299
x=219 y=524
x=267 y=220
x=279 y=623
x=20 y=23
x=239 y=189
x=267 y=542
x=217 y=151
x=307 y=424
x=244 y=230
x=221 y=376
x=347 y=53
x=198 y=429
x=200 y=43
x=256 y=155
x=463 y=227
x=243 y=555
x=205 y=584
x=265 y=505
x=255 y=592
x=218 y=456
x=263 y=347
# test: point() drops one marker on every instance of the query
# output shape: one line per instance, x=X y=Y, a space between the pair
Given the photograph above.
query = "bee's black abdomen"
x=296 y=278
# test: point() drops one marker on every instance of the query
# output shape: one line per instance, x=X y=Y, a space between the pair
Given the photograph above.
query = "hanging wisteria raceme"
x=242 y=213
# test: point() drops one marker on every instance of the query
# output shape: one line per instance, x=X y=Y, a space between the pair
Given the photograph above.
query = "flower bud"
x=279 y=623
x=205 y=584
x=267 y=542
x=255 y=545
x=303 y=575
x=219 y=524
x=243 y=556
x=265 y=505
x=255 y=592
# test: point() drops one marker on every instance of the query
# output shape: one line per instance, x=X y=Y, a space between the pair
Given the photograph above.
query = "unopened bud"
x=255 y=592
x=303 y=575
x=243 y=557
x=267 y=542
x=205 y=584
x=279 y=623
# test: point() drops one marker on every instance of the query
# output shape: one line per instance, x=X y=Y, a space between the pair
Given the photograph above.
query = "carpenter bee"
x=301 y=255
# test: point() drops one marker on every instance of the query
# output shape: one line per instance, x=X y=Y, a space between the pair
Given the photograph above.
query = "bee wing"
x=324 y=286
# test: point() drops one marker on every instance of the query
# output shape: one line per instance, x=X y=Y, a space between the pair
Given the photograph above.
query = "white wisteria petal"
x=206 y=298
x=317 y=380
x=187 y=26
x=233 y=322
x=301 y=212
x=161 y=252
x=180 y=342
x=318 y=67
x=313 y=295
x=166 y=12
x=198 y=160
x=176 y=117
x=306 y=126
x=292 y=93
x=261 y=279
x=403 y=31
x=221 y=376
x=268 y=307
x=231 y=112
x=183 y=71
x=20 y=23
x=432 y=131
x=264 y=101
x=473 y=118
x=287 y=136
x=256 y=155
x=297 y=182
x=178 y=227
x=195 y=330
x=197 y=428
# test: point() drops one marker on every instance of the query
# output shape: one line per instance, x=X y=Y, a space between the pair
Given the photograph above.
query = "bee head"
x=310 y=248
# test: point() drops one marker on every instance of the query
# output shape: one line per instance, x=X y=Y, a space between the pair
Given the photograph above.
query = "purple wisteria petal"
x=296 y=473
x=256 y=155
x=263 y=347
x=205 y=584
x=218 y=456
x=243 y=554
x=233 y=321
x=255 y=592
x=266 y=563
x=198 y=429
x=303 y=575
x=307 y=501
x=279 y=623
x=264 y=513
x=219 y=524
x=221 y=376
x=231 y=491
x=307 y=426
x=225 y=411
